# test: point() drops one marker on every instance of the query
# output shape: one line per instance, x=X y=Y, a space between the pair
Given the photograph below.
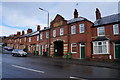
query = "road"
x=43 y=67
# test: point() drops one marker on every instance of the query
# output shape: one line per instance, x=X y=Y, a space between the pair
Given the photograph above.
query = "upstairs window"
x=101 y=31
x=47 y=34
x=37 y=37
x=54 y=33
x=82 y=29
x=40 y=35
x=73 y=29
x=116 y=29
x=61 y=31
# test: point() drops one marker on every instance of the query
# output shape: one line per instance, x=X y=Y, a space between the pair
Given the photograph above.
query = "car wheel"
x=12 y=54
x=25 y=55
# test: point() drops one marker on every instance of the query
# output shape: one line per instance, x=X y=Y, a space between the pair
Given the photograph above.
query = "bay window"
x=101 y=47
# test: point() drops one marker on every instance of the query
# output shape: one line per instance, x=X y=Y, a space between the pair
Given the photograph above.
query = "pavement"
x=97 y=63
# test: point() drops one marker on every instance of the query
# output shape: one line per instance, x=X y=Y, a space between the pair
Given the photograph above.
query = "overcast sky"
x=18 y=16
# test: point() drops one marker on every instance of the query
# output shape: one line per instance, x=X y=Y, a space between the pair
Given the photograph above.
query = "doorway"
x=117 y=51
x=58 y=48
x=82 y=51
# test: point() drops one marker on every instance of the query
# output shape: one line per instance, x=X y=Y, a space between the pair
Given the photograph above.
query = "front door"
x=117 y=51
x=82 y=51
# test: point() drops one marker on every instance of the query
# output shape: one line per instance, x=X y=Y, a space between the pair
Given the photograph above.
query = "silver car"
x=18 y=52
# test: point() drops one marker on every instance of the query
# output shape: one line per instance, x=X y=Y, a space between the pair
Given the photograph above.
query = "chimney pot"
x=45 y=27
x=75 y=14
x=38 y=27
x=29 y=30
x=23 y=32
x=18 y=33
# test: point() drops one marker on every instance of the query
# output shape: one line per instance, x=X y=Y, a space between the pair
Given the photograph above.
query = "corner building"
x=70 y=36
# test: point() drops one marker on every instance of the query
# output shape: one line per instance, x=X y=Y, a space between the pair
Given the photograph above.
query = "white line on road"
x=77 y=78
x=28 y=69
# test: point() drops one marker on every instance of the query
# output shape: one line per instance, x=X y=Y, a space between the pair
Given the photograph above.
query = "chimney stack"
x=98 y=14
x=45 y=27
x=38 y=27
x=23 y=32
x=75 y=14
x=29 y=30
x=18 y=33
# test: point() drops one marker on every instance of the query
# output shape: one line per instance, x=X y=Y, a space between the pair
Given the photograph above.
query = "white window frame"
x=54 y=33
x=98 y=30
x=115 y=31
x=73 y=29
x=47 y=34
x=81 y=26
x=29 y=39
x=72 y=46
x=97 y=52
x=61 y=31
x=37 y=37
x=40 y=35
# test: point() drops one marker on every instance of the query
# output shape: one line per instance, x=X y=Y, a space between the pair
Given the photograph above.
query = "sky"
x=18 y=16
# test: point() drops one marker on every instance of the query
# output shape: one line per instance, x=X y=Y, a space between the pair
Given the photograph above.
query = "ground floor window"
x=73 y=48
x=101 y=47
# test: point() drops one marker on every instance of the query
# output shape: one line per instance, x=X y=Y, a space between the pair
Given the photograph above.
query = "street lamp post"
x=48 y=15
x=48 y=45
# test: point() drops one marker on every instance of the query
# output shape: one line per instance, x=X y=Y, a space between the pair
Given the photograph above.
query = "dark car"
x=18 y=52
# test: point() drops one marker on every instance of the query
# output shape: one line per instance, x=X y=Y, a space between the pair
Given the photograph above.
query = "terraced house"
x=78 y=36
x=106 y=36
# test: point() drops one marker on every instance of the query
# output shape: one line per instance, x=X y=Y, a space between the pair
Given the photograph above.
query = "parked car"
x=18 y=52
x=7 y=50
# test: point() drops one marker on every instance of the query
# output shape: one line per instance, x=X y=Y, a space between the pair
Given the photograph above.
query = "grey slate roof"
x=107 y=20
x=34 y=33
x=102 y=38
x=75 y=20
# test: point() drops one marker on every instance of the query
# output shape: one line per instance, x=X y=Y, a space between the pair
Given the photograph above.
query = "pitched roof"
x=76 y=20
x=107 y=20
x=103 y=38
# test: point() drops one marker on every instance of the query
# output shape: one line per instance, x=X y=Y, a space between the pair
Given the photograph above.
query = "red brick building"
x=69 y=36
x=78 y=36
x=106 y=36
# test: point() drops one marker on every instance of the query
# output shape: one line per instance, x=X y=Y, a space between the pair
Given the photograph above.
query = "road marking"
x=28 y=69
x=77 y=78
